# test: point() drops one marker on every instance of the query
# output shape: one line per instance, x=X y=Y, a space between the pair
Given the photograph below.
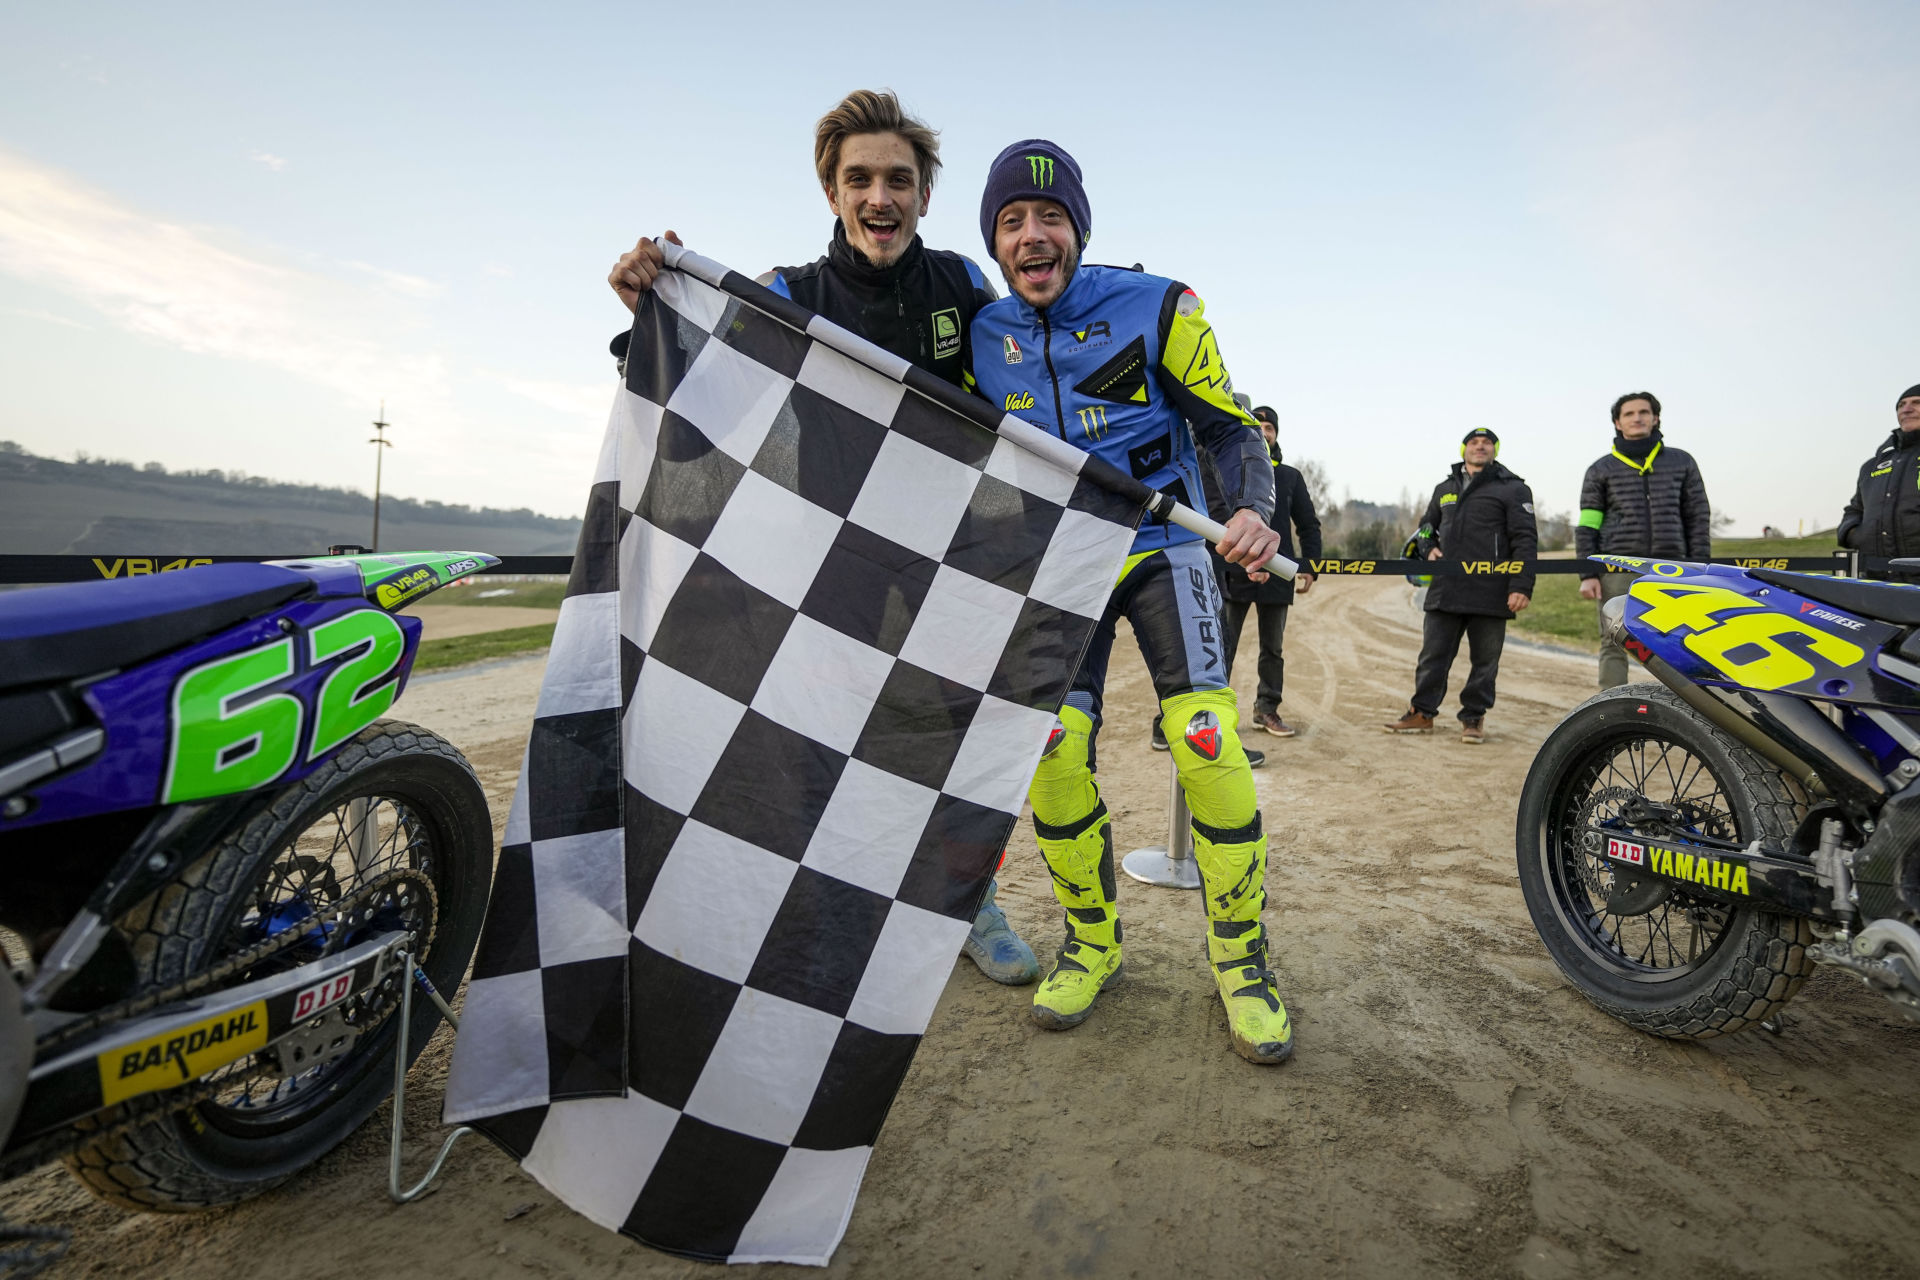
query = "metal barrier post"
x=1170 y=866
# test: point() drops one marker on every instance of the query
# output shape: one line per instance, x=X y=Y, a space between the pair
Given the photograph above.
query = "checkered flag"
x=824 y=610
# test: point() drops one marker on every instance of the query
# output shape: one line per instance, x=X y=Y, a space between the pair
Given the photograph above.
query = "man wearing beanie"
x=1883 y=519
x=876 y=165
x=1124 y=365
x=1643 y=498
x=1481 y=512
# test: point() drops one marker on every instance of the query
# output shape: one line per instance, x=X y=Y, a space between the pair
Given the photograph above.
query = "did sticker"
x=1625 y=851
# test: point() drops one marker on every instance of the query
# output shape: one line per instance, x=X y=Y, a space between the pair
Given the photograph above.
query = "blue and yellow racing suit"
x=1125 y=366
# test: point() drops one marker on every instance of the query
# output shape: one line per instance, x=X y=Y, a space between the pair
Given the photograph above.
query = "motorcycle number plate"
x=1626 y=851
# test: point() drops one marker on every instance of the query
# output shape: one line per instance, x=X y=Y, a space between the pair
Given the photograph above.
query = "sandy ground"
x=444 y=621
x=1454 y=1108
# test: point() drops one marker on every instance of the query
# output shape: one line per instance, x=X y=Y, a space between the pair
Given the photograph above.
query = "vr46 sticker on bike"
x=232 y=732
x=1745 y=647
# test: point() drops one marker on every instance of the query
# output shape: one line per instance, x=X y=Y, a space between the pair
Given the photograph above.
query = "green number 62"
x=229 y=736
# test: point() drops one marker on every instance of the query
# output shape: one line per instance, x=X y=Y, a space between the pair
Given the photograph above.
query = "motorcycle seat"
x=1888 y=601
x=50 y=634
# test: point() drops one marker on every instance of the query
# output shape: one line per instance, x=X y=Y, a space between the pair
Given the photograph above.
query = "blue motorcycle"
x=219 y=866
x=1690 y=850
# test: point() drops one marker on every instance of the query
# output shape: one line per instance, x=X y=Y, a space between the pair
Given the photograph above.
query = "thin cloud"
x=268 y=160
x=398 y=281
x=589 y=399
x=49 y=318
x=176 y=285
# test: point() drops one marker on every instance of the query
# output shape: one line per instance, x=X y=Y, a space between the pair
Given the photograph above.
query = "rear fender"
x=392 y=580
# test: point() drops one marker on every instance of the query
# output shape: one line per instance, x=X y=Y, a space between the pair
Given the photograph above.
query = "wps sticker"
x=1624 y=851
x=322 y=995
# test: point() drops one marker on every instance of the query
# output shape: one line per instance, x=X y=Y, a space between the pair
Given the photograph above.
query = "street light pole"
x=379 y=438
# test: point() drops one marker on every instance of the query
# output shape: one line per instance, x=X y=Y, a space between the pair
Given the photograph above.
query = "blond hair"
x=867 y=111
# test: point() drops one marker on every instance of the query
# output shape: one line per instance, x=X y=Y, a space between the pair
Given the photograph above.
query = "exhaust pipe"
x=1787 y=731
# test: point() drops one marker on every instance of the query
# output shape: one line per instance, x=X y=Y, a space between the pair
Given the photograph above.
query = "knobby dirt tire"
x=185 y=1161
x=1760 y=959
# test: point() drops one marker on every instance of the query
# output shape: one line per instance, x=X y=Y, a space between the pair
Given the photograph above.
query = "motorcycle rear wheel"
x=429 y=815
x=1653 y=956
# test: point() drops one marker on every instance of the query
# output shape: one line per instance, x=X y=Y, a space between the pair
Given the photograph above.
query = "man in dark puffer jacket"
x=1642 y=499
x=1884 y=517
x=1481 y=512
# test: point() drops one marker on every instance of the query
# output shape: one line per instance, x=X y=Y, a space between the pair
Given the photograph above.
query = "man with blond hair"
x=876 y=164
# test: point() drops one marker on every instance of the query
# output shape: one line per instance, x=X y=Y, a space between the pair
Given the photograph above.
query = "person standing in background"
x=1270 y=600
x=1641 y=499
x=1883 y=518
x=1481 y=511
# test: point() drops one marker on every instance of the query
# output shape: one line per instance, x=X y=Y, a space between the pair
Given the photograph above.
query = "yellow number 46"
x=1717 y=639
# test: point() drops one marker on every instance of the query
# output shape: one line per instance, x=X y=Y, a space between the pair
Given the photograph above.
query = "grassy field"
x=524 y=595
x=459 y=650
x=1559 y=614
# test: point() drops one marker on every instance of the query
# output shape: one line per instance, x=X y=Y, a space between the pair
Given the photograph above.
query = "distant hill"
x=98 y=505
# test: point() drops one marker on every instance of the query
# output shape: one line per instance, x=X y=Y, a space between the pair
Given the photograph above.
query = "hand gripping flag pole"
x=1021 y=432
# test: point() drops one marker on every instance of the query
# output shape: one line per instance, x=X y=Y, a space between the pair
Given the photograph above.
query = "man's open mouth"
x=1037 y=270
x=881 y=229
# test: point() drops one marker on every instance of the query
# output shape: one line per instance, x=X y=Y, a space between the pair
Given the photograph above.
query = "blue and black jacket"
x=1120 y=365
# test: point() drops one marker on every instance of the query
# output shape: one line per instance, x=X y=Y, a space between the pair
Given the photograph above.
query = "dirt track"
x=1454 y=1108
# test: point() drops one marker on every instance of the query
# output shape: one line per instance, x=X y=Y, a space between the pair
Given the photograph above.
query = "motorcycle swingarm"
x=299 y=1012
x=1719 y=872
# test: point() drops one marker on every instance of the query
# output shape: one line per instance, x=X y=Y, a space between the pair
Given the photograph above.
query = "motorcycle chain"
x=136 y=1112
x=240 y=961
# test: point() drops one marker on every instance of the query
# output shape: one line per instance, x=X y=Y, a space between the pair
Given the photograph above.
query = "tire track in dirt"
x=1454 y=1108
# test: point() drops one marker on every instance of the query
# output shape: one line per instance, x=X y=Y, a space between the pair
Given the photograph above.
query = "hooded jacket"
x=1883 y=519
x=1486 y=517
x=1656 y=506
x=920 y=308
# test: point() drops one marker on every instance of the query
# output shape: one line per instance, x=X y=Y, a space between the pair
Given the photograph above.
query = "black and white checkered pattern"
x=816 y=635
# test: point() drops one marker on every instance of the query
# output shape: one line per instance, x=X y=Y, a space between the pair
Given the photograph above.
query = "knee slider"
x=1063 y=790
x=1201 y=728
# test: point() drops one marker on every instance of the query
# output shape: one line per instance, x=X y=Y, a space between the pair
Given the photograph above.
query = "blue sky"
x=226 y=232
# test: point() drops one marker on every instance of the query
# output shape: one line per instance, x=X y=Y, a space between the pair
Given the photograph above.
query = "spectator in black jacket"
x=876 y=165
x=1292 y=510
x=1481 y=513
x=1641 y=499
x=1883 y=519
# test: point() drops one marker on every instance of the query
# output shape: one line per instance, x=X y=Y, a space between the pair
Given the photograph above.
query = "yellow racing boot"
x=1256 y=1018
x=1233 y=874
x=1080 y=857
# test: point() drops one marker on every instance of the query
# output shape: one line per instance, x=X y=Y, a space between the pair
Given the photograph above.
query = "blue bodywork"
x=49 y=630
x=1718 y=625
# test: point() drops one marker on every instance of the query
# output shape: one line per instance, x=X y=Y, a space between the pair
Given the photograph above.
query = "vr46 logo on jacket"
x=946 y=333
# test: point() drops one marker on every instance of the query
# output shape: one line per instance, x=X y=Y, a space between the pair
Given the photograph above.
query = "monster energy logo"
x=1042 y=167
